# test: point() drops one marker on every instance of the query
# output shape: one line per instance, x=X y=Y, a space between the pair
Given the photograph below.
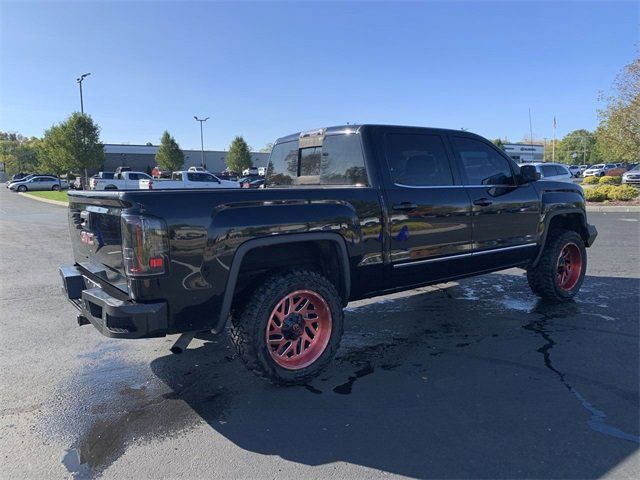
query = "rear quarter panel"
x=207 y=227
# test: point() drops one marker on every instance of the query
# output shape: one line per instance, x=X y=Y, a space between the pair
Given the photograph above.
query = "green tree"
x=618 y=135
x=18 y=153
x=169 y=156
x=577 y=146
x=498 y=143
x=239 y=156
x=71 y=146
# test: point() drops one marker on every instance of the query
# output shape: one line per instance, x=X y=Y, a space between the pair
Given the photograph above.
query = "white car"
x=575 y=170
x=250 y=171
x=632 y=176
x=197 y=169
x=598 y=170
x=552 y=171
x=120 y=181
x=187 y=179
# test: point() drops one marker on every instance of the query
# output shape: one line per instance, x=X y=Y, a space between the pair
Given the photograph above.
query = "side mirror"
x=528 y=174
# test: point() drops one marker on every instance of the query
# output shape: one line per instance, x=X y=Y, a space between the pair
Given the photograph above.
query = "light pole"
x=201 y=120
x=79 y=80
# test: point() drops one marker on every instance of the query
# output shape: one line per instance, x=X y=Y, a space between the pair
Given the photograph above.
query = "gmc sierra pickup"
x=346 y=213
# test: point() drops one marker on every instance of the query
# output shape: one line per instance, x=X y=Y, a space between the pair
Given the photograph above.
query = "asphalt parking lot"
x=471 y=379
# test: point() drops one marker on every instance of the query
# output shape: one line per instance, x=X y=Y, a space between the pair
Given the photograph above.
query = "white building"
x=525 y=152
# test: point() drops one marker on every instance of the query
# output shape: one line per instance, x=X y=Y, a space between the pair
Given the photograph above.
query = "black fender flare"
x=246 y=247
x=547 y=221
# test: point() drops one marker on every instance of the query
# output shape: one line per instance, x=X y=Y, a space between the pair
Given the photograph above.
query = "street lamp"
x=79 y=80
x=201 y=120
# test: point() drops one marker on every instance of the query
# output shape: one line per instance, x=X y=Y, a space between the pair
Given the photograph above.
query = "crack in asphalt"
x=597 y=421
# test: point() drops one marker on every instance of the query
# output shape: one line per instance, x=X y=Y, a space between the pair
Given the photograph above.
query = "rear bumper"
x=592 y=233
x=112 y=316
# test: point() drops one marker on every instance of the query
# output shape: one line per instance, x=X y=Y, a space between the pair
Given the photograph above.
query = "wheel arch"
x=569 y=219
x=306 y=240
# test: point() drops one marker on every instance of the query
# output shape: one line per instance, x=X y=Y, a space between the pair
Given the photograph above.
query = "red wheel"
x=569 y=266
x=299 y=329
x=289 y=328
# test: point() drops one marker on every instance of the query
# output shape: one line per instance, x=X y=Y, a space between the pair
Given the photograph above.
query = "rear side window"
x=481 y=164
x=338 y=161
x=417 y=160
x=133 y=176
x=548 y=170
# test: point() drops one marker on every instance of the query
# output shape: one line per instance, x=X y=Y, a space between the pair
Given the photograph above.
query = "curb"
x=613 y=208
x=45 y=200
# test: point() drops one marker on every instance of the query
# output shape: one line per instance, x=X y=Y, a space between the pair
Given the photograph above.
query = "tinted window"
x=310 y=162
x=562 y=170
x=417 y=160
x=548 y=170
x=133 y=176
x=482 y=164
x=339 y=161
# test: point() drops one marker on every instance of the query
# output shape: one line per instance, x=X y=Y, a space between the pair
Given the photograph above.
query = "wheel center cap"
x=293 y=326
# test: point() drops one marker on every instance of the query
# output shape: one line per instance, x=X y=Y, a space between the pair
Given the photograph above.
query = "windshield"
x=635 y=169
x=599 y=165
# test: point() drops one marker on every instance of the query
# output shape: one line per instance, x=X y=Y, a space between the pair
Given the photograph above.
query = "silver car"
x=552 y=171
x=40 y=182
x=632 y=176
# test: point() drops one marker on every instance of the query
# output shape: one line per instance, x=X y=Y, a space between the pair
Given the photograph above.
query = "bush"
x=606 y=190
x=610 y=180
x=595 y=195
x=615 y=172
x=590 y=180
x=622 y=193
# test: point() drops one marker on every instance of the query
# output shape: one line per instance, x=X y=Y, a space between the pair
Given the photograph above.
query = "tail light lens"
x=145 y=246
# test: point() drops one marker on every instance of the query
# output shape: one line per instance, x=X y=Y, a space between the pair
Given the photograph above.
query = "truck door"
x=505 y=214
x=428 y=208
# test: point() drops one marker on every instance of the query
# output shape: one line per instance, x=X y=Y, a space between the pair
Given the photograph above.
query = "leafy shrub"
x=615 y=172
x=595 y=195
x=606 y=190
x=622 y=193
x=590 y=180
x=610 y=180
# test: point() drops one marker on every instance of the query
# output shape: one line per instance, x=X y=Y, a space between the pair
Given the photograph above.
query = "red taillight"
x=156 y=262
x=145 y=245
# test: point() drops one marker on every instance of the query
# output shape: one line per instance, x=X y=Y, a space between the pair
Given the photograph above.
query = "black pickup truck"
x=346 y=213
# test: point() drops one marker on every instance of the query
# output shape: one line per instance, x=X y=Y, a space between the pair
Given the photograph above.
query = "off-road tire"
x=249 y=323
x=543 y=278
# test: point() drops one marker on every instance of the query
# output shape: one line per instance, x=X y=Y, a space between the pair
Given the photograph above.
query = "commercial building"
x=143 y=157
x=525 y=152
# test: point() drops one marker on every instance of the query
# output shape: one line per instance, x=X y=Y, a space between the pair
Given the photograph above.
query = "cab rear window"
x=338 y=161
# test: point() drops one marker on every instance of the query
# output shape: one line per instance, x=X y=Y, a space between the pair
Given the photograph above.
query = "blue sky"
x=263 y=70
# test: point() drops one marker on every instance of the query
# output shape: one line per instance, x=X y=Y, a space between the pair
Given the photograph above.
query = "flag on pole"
x=554 y=121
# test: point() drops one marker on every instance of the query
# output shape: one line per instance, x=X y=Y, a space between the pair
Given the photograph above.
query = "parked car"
x=250 y=171
x=632 y=176
x=126 y=180
x=157 y=172
x=583 y=168
x=598 y=170
x=262 y=171
x=231 y=176
x=22 y=179
x=437 y=204
x=187 y=179
x=552 y=171
x=122 y=169
x=197 y=169
x=39 y=182
x=257 y=183
x=575 y=170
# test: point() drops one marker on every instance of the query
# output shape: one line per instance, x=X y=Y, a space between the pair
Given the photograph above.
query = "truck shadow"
x=476 y=380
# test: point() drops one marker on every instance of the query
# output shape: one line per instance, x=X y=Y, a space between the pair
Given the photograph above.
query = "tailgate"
x=94 y=228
